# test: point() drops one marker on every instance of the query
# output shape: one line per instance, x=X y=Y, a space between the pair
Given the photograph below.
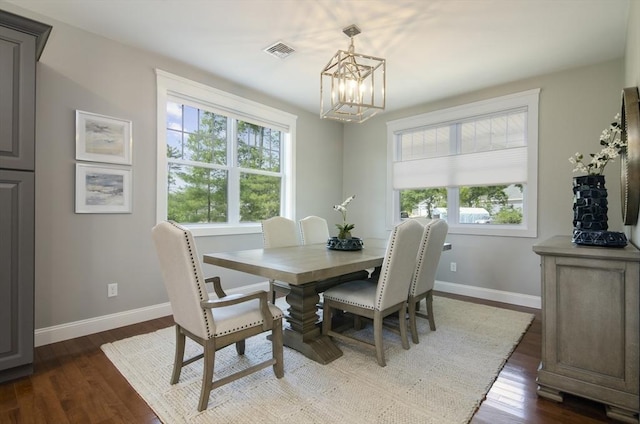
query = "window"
x=224 y=163
x=474 y=165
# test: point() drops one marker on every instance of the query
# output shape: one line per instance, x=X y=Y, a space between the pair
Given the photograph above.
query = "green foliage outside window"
x=201 y=197
x=483 y=197
x=258 y=149
x=508 y=215
x=434 y=197
x=491 y=198
x=198 y=192
x=259 y=197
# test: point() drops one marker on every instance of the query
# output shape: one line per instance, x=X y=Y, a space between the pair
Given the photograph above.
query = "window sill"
x=492 y=230
x=489 y=230
x=202 y=230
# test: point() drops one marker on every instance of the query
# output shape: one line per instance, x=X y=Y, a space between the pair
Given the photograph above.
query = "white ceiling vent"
x=279 y=50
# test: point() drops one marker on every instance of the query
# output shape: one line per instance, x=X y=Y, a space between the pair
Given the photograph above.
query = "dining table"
x=307 y=270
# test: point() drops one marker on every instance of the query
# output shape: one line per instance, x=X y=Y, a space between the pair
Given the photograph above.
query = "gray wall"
x=575 y=106
x=78 y=255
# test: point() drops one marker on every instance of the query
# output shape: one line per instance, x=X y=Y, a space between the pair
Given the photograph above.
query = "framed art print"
x=102 y=138
x=103 y=189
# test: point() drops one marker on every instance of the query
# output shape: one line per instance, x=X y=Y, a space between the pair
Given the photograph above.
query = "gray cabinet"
x=21 y=42
x=590 y=334
x=16 y=273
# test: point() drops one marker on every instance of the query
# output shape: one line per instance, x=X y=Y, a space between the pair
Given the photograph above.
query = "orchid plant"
x=344 y=228
x=613 y=145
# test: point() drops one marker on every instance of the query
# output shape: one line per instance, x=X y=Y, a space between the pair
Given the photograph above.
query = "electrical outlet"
x=112 y=289
x=454 y=267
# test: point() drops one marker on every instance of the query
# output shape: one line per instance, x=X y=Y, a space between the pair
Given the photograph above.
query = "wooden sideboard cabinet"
x=590 y=311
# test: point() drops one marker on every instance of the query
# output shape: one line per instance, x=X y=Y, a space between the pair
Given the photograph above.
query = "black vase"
x=590 y=203
x=590 y=214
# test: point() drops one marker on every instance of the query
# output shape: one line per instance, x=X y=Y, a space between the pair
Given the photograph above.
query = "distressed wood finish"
x=297 y=265
x=308 y=270
x=590 y=325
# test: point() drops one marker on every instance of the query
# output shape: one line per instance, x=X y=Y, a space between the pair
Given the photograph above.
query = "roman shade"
x=494 y=167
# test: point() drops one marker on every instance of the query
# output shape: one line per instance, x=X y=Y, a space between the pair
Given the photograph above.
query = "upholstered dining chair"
x=422 y=220
x=388 y=296
x=433 y=236
x=278 y=231
x=210 y=322
x=314 y=229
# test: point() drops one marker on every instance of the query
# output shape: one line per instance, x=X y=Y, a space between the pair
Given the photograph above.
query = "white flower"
x=611 y=139
x=342 y=208
x=339 y=208
x=348 y=200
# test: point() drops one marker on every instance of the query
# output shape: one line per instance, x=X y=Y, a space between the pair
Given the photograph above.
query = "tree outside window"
x=215 y=161
x=500 y=204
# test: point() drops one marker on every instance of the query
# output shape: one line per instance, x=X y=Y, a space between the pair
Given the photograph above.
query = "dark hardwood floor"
x=74 y=382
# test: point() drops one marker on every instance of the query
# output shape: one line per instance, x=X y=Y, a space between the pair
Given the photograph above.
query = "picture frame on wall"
x=103 y=189
x=101 y=138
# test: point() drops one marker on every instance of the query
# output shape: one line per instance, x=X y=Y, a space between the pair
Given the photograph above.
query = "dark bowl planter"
x=353 y=243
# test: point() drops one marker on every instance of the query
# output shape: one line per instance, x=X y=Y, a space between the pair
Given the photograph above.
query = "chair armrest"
x=217 y=286
x=234 y=300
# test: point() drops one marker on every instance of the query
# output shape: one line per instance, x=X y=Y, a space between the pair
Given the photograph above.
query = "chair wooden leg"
x=179 y=355
x=207 y=374
x=432 y=320
x=240 y=347
x=402 y=313
x=276 y=346
x=377 y=338
x=413 y=306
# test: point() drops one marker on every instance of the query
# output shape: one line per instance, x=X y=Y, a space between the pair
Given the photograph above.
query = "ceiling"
x=434 y=48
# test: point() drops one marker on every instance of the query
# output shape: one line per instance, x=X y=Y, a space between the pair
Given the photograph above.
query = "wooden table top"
x=299 y=264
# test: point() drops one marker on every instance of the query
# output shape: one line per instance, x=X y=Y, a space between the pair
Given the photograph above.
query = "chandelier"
x=352 y=85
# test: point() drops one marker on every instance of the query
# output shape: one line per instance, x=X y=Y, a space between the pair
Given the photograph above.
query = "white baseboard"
x=58 y=333
x=489 y=294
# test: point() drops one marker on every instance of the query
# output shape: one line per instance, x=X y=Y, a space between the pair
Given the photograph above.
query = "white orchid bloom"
x=348 y=200
x=344 y=228
x=339 y=208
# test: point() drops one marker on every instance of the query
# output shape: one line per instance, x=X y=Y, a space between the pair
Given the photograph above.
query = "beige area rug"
x=441 y=380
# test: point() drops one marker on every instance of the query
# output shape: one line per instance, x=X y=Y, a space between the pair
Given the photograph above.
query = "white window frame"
x=171 y=87
x=528 y=99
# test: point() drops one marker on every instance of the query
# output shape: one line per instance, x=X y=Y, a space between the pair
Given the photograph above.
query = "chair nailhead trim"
x=385 y=273
x=194 y=267
x=421 y=256
x=346 y=302
x=233 y=330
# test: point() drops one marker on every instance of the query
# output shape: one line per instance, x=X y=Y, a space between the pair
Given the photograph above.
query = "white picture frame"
x=101 y=138
x=103 y=189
